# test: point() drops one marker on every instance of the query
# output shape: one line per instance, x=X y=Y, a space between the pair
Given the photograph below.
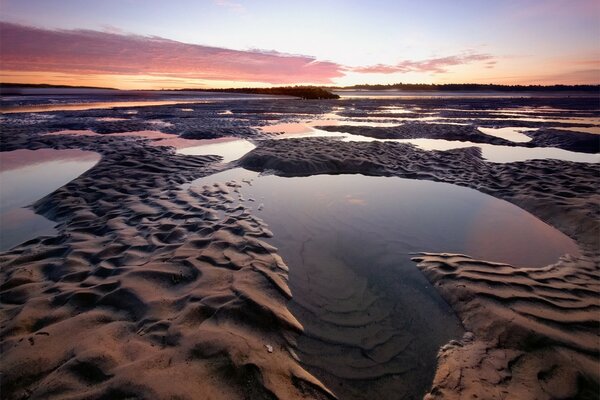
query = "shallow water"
x=505 y=154
x=25 y=177
x=93 y=106
x=229 y=148
x=372 y=321
x=513 y=134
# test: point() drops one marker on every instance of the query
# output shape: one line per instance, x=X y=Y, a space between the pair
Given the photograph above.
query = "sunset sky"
x=229 y=43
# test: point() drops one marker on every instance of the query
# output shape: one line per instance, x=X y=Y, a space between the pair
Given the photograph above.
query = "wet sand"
x=156 y=289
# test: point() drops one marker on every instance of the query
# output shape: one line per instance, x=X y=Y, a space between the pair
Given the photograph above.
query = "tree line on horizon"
x=325 y=92
x=464 y=87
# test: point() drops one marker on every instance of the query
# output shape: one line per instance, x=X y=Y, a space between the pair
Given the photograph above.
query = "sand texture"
x=533 y=332
x=153 y=289
x=150 y=291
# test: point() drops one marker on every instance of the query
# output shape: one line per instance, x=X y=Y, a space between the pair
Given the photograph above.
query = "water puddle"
x=111 y=119
x=509 y=133
x=229 y=148
x=595 y=130
x=505 y=154
x=159 y=122
x=25 y=177
x=94 y=105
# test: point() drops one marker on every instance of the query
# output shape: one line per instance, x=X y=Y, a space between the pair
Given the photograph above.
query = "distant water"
x=46 y=100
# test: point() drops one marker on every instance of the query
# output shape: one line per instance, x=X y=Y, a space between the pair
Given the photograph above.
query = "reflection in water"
x=27 y=176
x=229 y=148
x=94 y=106
x=594 y=130
x=372 y=323
x=508 y=133
x=110 y=119
x=505 y=154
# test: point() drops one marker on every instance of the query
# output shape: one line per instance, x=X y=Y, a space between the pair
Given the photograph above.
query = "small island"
x=304 y=92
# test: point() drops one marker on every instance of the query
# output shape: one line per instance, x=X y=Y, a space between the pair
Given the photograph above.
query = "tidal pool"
x=372 y=323
x=25 y=177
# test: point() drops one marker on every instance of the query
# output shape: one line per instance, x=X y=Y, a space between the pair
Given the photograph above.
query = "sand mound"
x=534 y=331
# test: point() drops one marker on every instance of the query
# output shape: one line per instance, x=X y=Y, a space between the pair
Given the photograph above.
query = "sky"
x=152 y=44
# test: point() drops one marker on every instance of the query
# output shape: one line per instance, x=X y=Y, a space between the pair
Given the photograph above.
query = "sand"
x=533 y=332
x=153 y=289
x=147 y=292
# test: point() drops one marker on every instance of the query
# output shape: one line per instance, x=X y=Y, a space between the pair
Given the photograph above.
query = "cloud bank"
x=26 y=48
x=112 y=52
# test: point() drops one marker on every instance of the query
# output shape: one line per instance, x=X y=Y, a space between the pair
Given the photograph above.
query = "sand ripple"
x=151 y=290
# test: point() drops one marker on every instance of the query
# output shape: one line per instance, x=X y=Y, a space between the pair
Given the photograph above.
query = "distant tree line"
x=315 y=92
x=473 y=87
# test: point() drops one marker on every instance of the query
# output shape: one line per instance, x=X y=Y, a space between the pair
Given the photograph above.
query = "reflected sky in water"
x=513 y=134
x=25 y=177
x=229 y=148
x=92 y=106
x=417 y=215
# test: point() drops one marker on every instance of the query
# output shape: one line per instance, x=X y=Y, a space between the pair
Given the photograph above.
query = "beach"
x=176 y=270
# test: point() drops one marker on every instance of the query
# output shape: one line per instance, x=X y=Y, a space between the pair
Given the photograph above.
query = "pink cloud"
x=436 y=65
x=232 y=5
x=26 y=48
